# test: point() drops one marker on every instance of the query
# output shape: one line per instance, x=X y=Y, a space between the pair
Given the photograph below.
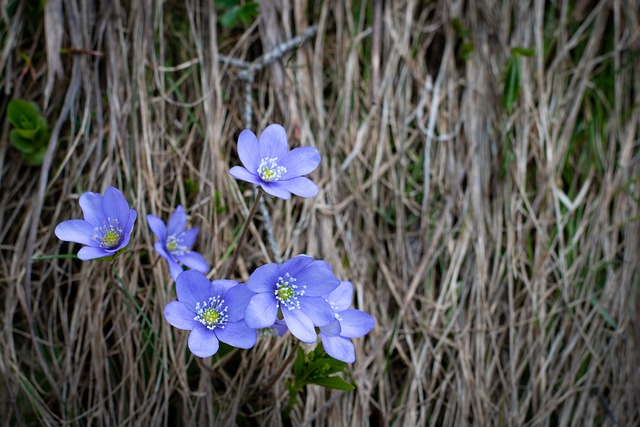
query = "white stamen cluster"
x=109 y=234
x=175 y=247
x=287 y=292
x=211 y=313
x=269 y=170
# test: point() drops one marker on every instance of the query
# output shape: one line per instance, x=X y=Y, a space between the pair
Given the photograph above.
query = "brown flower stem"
x=243 y=236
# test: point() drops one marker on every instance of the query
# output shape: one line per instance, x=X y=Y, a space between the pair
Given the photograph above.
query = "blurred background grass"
x=479 y=186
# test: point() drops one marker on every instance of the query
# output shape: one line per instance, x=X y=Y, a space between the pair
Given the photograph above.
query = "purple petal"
x=175 y=269
x=249 y=150
x=317 y=309
x=193 y=287
x=162 y=251
x=355 y=323
x=89 y=252
x=332 y=329
x=318 y=279
x=124 y=240
x=294 y=265
x=300 y=161
x=203 y=342
x=264 y=279
x=221 y=287
x=188 y=237
x=177 y=221
x=300 y=325
x=238 y=172
x=115 y=206
x=280 y=327
x=340 y=298
x=237 y=334
x=300 y=186
x=179 y=316
x=194 y=261
x=237 y=299
x=273 y=142
x=339 y=348
x=274 y=190
x=157 y=227
x=261 y=311
x=76 y=230
x=91 y=205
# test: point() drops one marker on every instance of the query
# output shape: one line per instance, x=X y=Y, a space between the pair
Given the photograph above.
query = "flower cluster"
x=301 y=295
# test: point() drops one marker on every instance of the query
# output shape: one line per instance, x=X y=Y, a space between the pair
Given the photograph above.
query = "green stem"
x=243 y=236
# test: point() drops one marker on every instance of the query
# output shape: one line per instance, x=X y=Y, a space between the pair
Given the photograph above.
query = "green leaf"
x=512 y=83
x=23 y=114
x=229 y=19
x=523 y=51
x=23 y=144
x=227 y=4
x=36 y=158
x=248 y=12
x=333 y=382
x=298 y=365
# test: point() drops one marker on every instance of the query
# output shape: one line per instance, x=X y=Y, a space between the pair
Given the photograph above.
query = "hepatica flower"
x=212 y=311
x=175 y=242
x=348 y=323
x=106 y=228
x=269 y=163
x=294 y=288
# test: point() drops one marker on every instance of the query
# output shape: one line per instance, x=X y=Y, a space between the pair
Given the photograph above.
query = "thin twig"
x=243 y=236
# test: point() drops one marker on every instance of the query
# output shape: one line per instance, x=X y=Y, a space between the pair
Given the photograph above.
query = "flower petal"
x=261 y=311
x=332 y=329
x=177 y=221
x=273 y=142
x=294 y=265
x=89 y=252
x=280 y=327
x=300 y=325
x=91 y=205
x=179 y=316
x=237 y=334
x=340 y=298
x=300 y=186
x=300 y=161
x=162 y=251
x=339 y=348
x=317 y=309
x=188 y=237
x=275 y=190
x=157 y=227
x=76 y=230
x=221 y=287
x=249 y=150
x=115 y=206
x=175 y=269
x=203 y=342
x=194 y=260
x=237 y=299
x=124 y=240
x=238 y=172
x=193 y=287
x=318 y=279
x=355 y=323
x=264 y=278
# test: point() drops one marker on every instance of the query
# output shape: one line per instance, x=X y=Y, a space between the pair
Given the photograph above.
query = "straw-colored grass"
x=498 y=248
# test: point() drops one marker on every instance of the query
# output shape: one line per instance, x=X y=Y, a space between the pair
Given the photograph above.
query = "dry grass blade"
x=479 y=186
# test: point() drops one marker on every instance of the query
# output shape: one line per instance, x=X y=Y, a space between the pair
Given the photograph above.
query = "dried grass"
x=498 y=252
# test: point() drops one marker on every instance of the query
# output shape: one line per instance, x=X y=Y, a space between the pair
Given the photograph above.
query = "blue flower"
x=174 y=243
x=106 y=228
x=271 y=165
x=348 y=323
x=212 y=311
x=295 y=288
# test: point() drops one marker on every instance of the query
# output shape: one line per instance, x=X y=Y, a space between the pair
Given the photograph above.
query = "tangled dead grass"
x=498 y=248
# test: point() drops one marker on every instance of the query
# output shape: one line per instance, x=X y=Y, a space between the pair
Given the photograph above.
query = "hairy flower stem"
x=243 y=236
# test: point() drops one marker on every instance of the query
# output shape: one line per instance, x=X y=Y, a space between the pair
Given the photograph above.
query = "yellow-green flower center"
x=269 y=170
x=110 y=239
x=108 y=236
x=212 y=313
x=287 y=292
x=172 y=245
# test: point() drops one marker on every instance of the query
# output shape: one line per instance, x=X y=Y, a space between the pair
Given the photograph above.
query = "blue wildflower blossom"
x=348 y=323
x=212 y=311
x=295 y=288
x=106 y=228
x=269 y=163
x=175 y=242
